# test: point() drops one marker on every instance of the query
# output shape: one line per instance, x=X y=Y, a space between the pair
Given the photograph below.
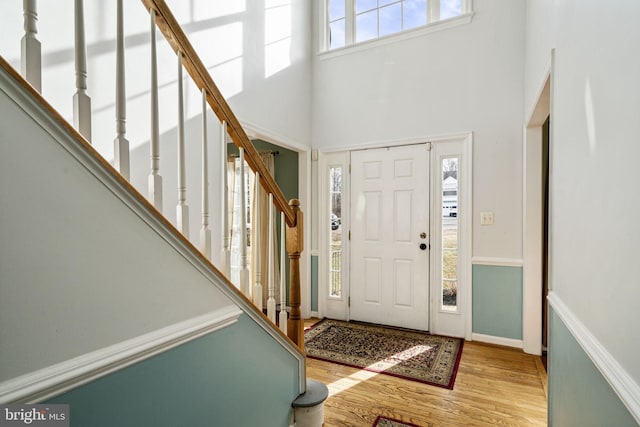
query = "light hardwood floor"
x=495 y=386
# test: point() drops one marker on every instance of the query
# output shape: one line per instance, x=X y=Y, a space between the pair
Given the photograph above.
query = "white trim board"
x=62 y=377
x=501 y=262
x=490 y=339
x=618 y=378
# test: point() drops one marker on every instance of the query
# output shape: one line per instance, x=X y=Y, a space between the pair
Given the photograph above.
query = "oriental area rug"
x=412 y=355
x=390 y=422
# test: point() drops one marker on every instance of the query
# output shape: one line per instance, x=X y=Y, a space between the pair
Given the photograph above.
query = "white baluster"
x=120 y=143
x=81 y=100
x=226 y=239
x=31 y=50
x=155 y=180
x=257 y=288
x=205 y=231
x=244 y=267
x=271 y=302
x=182 y=210
x=283 y=295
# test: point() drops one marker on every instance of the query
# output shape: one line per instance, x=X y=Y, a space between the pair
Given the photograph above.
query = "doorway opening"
x=395 y=234
x=536 y=267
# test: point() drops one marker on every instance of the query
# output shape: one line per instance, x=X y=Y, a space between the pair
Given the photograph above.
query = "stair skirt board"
x=62 y=377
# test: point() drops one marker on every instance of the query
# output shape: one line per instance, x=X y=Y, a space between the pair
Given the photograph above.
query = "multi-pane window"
x=356 y=21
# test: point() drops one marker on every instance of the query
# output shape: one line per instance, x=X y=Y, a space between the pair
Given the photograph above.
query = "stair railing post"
x=282 y=321
x=244 y=266
x=295 y=246
x=81 y=100
x=271 y=301
x=205 y=231
x=182 y=209
x=224 y=191
x=31 y=49
x=155 y=180
x=255 y=244
x=120 y=143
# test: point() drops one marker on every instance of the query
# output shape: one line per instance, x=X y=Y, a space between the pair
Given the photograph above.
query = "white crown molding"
x=62 y=377
x=618 y=378
x=490 y=339
x=500 y=262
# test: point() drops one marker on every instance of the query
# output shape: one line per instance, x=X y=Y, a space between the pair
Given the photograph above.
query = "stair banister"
x=205 y=231
x=120 y=143
x=81 y=100
x=30 y=47
x=224 y=195
x=245 y=287
x=155 y=179
x=182 y=209
x=179 y=42
x=176 y=38
x=282 y=321
x=255 y=244
x=271 y=276
x=295 y=246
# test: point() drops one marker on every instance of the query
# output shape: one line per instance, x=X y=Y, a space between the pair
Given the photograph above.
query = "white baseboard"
x=490 y=339
x=618 y=378
x=62 y=377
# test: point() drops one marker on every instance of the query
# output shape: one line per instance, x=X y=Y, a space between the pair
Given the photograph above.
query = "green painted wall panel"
x=314 y=283
x=578 y=393
x=238 y=376
x=497 y=301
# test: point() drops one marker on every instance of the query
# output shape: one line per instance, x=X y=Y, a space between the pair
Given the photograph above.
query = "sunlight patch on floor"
x=363 y=375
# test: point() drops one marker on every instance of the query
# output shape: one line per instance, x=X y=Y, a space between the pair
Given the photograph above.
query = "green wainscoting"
x=497 y=301
x=578 y=393
x=238 y=376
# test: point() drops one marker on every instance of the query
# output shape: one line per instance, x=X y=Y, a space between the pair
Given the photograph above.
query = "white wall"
x=594 y=234
x=258 y=52
x=467 y=78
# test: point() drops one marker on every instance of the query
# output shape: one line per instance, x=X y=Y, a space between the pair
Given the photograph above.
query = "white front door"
x=389 y=236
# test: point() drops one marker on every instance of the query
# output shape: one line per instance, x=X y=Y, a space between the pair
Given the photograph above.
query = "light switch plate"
x=486 y=218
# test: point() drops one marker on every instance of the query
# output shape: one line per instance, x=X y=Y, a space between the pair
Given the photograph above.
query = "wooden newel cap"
x=295 y=235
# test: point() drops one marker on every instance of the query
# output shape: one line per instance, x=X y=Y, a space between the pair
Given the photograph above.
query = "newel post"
x=295 y=246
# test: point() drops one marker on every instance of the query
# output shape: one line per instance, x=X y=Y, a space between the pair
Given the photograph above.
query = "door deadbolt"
x=423 y=235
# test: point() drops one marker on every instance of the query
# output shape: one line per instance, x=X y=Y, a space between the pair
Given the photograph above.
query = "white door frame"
x=533 y=215
x=445 y=322
x=322 y=215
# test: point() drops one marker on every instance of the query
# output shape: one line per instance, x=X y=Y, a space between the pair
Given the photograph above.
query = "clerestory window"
x=349 y=22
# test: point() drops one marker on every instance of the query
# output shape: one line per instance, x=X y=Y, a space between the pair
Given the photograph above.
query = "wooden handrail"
x=179 y=42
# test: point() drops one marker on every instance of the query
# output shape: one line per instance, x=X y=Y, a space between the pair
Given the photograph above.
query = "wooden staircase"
x=244 y=293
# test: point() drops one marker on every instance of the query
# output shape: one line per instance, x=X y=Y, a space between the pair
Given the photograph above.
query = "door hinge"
x=349 y=302
x=349 y=237
x=349 y=167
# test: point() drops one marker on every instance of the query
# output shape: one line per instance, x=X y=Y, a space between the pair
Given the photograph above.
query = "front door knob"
x=423 y=246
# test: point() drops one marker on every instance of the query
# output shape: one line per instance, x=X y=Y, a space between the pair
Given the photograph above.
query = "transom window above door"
x=349 y=22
